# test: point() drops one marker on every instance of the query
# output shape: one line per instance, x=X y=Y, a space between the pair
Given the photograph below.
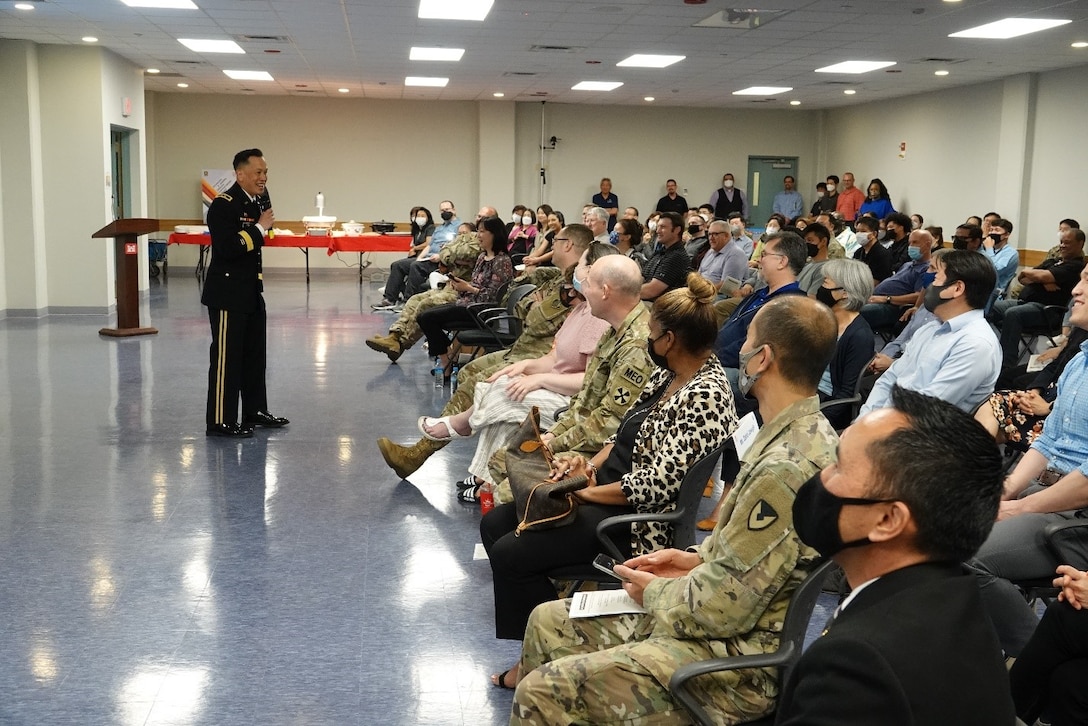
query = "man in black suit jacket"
x=238 y=220
x=914 y=493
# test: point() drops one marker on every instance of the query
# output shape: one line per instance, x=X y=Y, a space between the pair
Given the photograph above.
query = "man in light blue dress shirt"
x=788 y=202
x=956 y=357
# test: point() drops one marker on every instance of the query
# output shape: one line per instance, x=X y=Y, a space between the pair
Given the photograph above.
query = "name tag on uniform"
x=747 y=428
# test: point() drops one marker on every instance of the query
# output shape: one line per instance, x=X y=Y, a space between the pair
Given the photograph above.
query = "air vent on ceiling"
x=836 y=83
x=762 y=100
x=539 y=93
x=187 y=63
x=519 y=73
x=739 y=18
x=163 y=75
x=264 y=38
x=942 y=61
x=554 y=48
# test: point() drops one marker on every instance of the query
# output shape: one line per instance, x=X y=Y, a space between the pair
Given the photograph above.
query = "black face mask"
x=659 y=360
x=813 y=250
x=959 y=243
x=568 y=296
x=447 y=216
x=826 y=295
x=933 y=297
x=816 y=517
x=694 y=229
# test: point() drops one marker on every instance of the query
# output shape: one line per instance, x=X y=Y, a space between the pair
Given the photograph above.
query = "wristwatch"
x=888 y=299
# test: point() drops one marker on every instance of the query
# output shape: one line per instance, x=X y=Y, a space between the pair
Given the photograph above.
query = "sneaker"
x=398 y=308
x=470 y=495
x=381 y=290
x=383 y=305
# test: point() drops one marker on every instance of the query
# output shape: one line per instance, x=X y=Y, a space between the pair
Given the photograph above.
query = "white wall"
x=640 y=147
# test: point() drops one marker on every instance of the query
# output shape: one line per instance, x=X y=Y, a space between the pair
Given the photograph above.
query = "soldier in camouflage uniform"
x=542 y=313
x=724 y=597
x=459 y=258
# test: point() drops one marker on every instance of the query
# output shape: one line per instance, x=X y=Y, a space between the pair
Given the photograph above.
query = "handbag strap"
x=534 y=419
x=524 y=525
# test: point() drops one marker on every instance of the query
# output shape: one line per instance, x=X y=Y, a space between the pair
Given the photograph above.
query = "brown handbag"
x=541 y=502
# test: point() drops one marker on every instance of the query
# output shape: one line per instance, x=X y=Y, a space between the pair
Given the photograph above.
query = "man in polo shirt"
x=607 y=201
x=849 y=200
x=724 y=258
x=1050 y=283
x=668 y=268
x=901 y=289
x=672 y=202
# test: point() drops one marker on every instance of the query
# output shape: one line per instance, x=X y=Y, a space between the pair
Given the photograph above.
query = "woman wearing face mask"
x=774 y=226
x=422 y=229
x=685 y=411
x=396 y=286
x=879 y=201
x=522 y=233
x=502 y=401
x=846 y=288
x=541 y=256
x=649 y=237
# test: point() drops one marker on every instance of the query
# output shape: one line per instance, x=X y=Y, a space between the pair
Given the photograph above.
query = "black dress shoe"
x=233 y=431
x=264 y=418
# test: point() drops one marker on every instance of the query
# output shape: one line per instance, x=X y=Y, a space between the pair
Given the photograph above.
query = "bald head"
x=923 y=240
x=620 y=274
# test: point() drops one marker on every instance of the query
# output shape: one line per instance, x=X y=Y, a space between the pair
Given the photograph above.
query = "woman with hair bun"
x=685 y=411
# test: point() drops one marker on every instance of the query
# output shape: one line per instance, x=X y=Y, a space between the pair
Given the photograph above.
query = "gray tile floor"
x=150 y=575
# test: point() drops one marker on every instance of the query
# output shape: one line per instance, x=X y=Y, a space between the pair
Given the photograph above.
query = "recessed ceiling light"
x=643 y=60
x=153 y=71
x=940 y=73
x=426 y=81
x=1080 y=44
x=498 y=94
x=454 y=9
x=795 y=103
x=855 y=66
x=1009 y=28
x=183 y=85
x=596 y=86
x=89 y=39
x=162 y=4
x=763 y=91
x=23 y=6
x=202 y=45
x=649 y=99
x=436 y=54
x=343 y=90
x=849 y=91
x=250 y=75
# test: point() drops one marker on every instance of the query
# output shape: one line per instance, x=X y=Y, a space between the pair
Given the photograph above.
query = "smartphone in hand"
x=606 y=564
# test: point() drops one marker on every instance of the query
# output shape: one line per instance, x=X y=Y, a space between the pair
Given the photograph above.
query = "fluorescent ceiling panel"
x=596 y=86
x=162 y=4
x=1009 y=28
x=763 y=91
x=855 y=66
x=454 y=9
x=436 y=54
x=643 y=60
x=199 y=45
x=250 y=75
x=426 y=81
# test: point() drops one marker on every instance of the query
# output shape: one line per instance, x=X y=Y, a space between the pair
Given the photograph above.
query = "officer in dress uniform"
x=238 y=220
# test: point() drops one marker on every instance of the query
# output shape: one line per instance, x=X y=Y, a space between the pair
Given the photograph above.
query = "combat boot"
x=404 y=460
x=388 y=344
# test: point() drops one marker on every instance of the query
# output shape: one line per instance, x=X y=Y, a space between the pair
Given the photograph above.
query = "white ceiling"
x=363 y=45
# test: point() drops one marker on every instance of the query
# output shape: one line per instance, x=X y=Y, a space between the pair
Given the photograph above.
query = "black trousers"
x=435 y=321
x=419 y=277
x=519 y=564
x=237 y=365
x=1052 y=670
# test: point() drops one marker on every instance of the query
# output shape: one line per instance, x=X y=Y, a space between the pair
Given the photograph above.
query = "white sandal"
x=425 y=421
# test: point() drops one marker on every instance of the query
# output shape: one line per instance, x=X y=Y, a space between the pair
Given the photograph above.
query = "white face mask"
x=863 y=238
x=819 y=195
x=772 y=229
x=652 y=224
x=728 y=183
x=526 y=220
x=421 y=221
x=515 y=218
x=830 y=188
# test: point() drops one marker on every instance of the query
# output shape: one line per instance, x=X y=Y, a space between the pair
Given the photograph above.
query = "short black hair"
x=793 y=247
x=973 y=230
x=1003 y=224
x=242 y=157
x=821 y=185
x=870 y=223
x=819 y=230
x=676 y=220
x=1070 y=223
x=899 y=218
x=670 y=181
x=832 y=178
x=975 y=271
x=945 y=467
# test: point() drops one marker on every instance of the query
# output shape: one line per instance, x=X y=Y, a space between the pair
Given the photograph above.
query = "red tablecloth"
x=332 y=245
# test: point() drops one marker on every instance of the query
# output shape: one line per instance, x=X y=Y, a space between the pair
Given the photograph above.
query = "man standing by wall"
x=238 y=221
x=607 y=201
x=728 y=199
x=672 y=202
x=788 y=202
x=850 y=198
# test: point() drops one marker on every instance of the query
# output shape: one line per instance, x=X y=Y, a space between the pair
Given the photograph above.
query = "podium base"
x=127 y=332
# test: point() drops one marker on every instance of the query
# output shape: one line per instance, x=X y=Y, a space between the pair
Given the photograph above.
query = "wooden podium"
x=126 y=256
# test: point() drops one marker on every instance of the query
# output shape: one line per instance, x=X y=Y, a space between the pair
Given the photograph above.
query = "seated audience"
x=541 y=254
x=846 y=286
x=1049 y=485
x=724 y=258
x=817 y=237
x=493 y=270
x=969 y=237
x=596 y=219
x=397 y=283
x=1049 y=676
x=996 y=247
x=869 y=249
x=1050 y=283
x=542 y=313
x=522 y=233
x=628 y=233
x=668 y=267
x=955 y=357
x=725 y=596
x=684 y=412
x=898 y=239
x=739 y=234
x=890 y=296
x=913 y=493
x=502 y=401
